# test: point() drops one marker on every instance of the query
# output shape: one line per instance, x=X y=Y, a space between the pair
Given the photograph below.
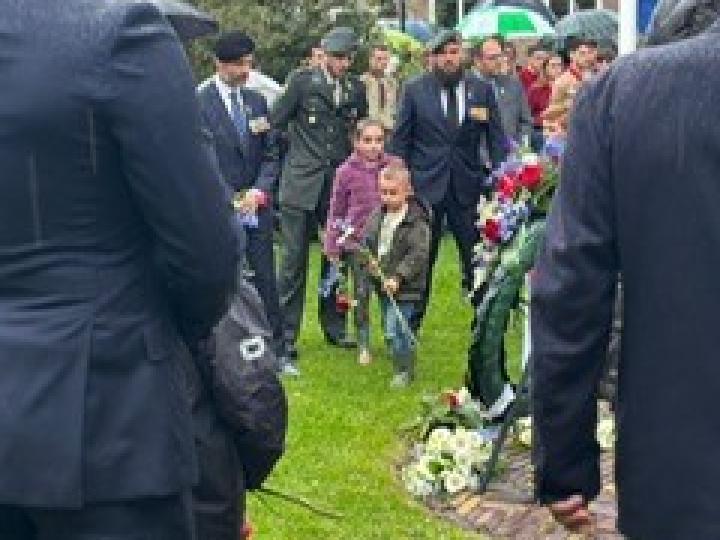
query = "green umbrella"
x=600 y=25
x=509 y=22
x=399 y=41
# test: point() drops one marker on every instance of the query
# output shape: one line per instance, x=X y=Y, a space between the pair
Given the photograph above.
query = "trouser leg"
x=436 y=231
x=295 y=230
x=461 y=222
x=261 y=259
x=159 y=518
x=361 y=289
x=332 y=321
x=15 y=524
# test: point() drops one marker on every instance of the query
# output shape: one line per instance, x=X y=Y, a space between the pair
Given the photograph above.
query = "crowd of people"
x=486 y=98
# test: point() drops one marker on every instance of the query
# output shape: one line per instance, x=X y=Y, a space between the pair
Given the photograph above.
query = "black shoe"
x=343 y=342
x=290 y=351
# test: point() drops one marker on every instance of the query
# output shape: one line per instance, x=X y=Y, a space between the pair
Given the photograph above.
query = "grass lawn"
x=344 y=421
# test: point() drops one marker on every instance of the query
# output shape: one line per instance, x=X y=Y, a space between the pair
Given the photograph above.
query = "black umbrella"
x=600 y=25
x=188 y=21
x=534 y=5
x=678 y=19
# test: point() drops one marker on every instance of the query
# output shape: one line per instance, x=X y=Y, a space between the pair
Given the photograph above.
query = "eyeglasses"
x=492 y=56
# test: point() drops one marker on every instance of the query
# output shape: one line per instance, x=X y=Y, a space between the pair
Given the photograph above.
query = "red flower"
x=342 y=303
x=507 y=187
x=261 y=198
x=531 y=176
x=450 y=399
x=491 y=230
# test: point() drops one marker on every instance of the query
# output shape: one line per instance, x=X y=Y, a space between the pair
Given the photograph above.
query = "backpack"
x=246 y=390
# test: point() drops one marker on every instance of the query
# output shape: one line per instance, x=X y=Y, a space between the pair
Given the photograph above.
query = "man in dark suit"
x=647 y=207
x=116 y=247
x=443 y=118
x=249 y=159
x=318 y=109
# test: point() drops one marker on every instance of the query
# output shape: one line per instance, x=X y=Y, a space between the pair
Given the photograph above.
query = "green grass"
x=343 y=440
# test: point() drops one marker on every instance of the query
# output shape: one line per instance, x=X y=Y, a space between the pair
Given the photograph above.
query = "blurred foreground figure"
x=611 y=214
x=116 y=250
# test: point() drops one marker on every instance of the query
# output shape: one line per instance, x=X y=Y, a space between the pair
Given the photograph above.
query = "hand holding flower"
x=391 y=286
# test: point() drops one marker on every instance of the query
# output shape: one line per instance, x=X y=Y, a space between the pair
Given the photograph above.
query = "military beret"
x=442 y=38
x=233 y=46
x=340 y=40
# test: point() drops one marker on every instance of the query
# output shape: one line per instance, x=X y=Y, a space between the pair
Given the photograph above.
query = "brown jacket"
x=382 y=108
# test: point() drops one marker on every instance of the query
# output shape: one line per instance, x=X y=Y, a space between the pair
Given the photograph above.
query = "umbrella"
x=678 y=19
x=509 y=22
x=398 y=41
x=418 y=29
x=533 y=5
x=600 y=25
x=188 y=21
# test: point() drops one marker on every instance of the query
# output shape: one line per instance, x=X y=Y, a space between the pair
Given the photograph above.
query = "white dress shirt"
x=459 y=95
x=226 y=92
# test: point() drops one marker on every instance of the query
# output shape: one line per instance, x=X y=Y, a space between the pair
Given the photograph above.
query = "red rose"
x=342 y=303
x=451 y=400
x=507 y=187
x=531 y=176
x=491 y=230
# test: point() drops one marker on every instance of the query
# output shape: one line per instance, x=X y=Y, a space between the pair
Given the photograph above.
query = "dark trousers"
x=261 y=262
x=461 y=220
x=162 y=518
x=298 y=227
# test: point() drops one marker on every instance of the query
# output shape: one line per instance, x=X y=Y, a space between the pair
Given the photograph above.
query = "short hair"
x=365 y=123
x=497 y=38
x=537 y=47
x=379 y=47
x=574 y=43
x=396 y=172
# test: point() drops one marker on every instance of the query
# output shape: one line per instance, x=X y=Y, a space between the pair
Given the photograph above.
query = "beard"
x=448 y=78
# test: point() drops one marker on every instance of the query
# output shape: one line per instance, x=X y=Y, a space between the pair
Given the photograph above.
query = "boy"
x=398 y=236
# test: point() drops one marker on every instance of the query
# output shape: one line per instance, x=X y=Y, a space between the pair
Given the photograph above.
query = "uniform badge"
x=311 y=119
x=479 y=113
x=259 y=125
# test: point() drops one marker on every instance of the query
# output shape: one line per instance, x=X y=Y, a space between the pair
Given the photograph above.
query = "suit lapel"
x=223 y=121
x=435 y=100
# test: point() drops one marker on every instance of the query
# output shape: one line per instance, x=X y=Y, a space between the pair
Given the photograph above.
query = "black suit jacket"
x=438 y=154
x=639 y=194
x=256 y=164
x=116 y=241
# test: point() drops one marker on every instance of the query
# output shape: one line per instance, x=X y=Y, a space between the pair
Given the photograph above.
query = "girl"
x=355 y=196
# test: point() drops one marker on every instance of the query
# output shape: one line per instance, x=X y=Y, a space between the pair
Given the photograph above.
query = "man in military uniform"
x=319 y=108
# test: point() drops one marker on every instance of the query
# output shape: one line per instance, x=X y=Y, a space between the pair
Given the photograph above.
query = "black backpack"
x=246 y=390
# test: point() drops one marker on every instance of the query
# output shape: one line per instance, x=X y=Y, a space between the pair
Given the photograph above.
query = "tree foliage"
x=282 y=29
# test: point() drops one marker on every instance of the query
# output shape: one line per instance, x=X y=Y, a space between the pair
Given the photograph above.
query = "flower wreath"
x=512 y=227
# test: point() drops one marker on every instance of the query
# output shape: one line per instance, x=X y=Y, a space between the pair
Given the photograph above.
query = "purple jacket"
x=354 y=197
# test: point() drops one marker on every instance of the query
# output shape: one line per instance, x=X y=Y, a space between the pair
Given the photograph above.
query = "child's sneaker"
x=364 y=358
x=400 y=380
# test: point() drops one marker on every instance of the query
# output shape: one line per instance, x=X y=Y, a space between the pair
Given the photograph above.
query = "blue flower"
x=554 y=147
x=328 y=283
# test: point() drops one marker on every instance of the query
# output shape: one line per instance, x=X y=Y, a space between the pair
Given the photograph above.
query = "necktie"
x=239 y=117
x=381 y=87
x=337 y=92
x=453 y=116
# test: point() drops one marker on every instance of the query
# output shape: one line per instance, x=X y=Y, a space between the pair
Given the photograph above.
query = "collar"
x=225 y=89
